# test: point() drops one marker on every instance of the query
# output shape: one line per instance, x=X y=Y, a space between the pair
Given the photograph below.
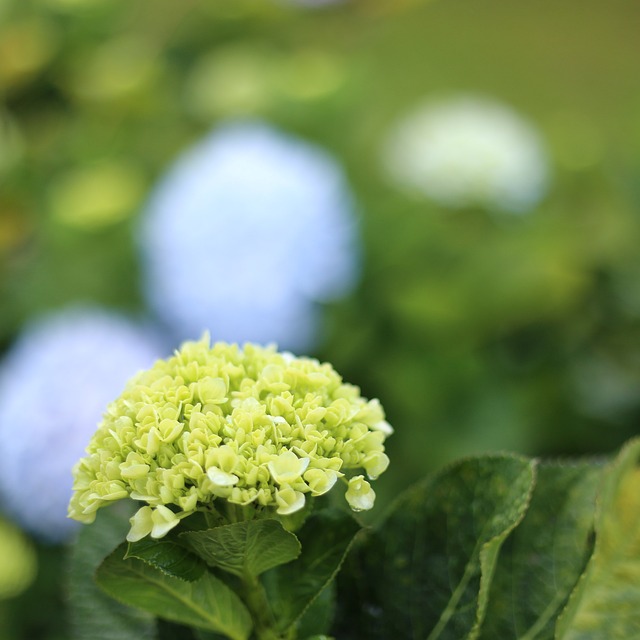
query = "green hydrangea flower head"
x=248 y=426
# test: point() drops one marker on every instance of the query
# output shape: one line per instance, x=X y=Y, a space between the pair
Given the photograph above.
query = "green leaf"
x=172 y=631
x=245 y=548
x=168 y=555
x=207 y=635
x=541 y=561
x=93 y=614
x=291 y=589
x=318 y=618
x=426 y=572
x=206 y=603
x=606 y=601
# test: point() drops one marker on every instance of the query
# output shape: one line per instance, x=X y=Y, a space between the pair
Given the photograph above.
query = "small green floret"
x=250 y=426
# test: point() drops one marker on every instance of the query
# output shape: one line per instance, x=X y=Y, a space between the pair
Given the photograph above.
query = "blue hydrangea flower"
x=468 y=151
x=55 y=383
x=245 y=235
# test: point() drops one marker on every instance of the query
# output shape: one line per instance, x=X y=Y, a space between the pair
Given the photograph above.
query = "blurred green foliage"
x=476 y=332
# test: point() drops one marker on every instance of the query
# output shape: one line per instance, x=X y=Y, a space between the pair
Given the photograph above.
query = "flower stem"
x=256 y=601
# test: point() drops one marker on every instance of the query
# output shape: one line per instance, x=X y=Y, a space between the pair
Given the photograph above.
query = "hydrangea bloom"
x=54 y=385
x=251 y=426
x=468 y=152
x=245 y=235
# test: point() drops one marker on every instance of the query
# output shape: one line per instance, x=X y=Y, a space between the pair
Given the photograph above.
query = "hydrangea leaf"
x=606 y=601
x=168 y=555
x=426 y=572
x=317 y=620
x=541 y=561
x=172 y=631
x=199 y=634
x=206 y=603
x=292 y=588
x=245 y=548
x=93 y=613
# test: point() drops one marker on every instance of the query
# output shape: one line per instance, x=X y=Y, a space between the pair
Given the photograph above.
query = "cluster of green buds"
x=249 y=425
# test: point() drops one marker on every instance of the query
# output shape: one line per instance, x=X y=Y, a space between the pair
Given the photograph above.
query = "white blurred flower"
x=468 y=151
x=248 y=231
x=55 y=384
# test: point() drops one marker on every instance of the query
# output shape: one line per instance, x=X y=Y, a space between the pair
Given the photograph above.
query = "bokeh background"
x=504 y=316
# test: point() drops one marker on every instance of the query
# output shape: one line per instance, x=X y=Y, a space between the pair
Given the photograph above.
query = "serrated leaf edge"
x=486 y=580
x=122 y=600
x=185 y=536
x=148 y=562
x=433 y=477
x=331 y=578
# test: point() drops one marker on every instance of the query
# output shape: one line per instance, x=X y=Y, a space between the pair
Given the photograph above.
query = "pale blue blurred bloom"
x=55 y=383
x=245 y=235
x=468 y=151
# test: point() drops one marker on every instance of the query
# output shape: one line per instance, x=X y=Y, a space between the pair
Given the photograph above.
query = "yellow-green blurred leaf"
x=606 y=602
